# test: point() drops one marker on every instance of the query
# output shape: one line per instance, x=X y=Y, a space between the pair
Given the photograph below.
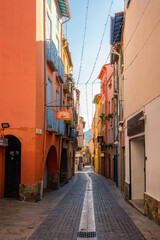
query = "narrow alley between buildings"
x=88 y=207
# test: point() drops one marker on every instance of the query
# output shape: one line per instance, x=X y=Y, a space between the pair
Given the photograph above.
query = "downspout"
x=117 y=135
x=45 y=118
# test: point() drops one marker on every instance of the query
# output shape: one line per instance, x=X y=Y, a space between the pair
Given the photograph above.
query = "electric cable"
x=142 y=45
x=80 y=68
x=100 y=43
x=137 y=25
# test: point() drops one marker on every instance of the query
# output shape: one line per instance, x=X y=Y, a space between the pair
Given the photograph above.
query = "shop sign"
x=4 y=142
x=135 y=125
x=63 y=114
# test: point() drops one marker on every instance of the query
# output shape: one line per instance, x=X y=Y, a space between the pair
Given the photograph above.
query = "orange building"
x=31 y=77
x=106 y=77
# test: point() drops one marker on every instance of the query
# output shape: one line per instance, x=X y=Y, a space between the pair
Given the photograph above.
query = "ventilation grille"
x=86 y=234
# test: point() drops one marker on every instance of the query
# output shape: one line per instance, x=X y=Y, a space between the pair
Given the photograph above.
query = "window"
x=49 y=27
x=57 y=18
x=49 y=3
x=57 y=99
x=57 y=45
x=49 y=92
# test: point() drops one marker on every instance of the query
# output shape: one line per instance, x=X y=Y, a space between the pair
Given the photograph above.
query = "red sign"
x=63 y=114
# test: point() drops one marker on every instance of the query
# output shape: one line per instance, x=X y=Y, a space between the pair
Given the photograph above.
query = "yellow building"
x=98 y=131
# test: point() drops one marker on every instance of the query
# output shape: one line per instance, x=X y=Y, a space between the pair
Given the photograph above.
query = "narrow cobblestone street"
x=60 y=220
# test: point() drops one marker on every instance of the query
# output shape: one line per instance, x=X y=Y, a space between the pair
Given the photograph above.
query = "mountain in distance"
x=87 y=137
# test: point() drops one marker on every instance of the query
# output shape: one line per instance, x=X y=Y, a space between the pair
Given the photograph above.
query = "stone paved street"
x=59 y=214
x=111 y=220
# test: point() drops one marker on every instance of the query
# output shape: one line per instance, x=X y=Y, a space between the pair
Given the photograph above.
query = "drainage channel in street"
x=87 y=228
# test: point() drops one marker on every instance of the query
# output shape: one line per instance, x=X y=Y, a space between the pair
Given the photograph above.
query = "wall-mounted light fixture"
x=5 y=125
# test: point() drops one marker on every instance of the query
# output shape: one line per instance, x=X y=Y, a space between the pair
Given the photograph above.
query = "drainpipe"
x=45 y=116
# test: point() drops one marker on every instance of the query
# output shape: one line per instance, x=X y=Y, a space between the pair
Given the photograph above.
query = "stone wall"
x=53 y=181
x=152 y=208
x=30 y=193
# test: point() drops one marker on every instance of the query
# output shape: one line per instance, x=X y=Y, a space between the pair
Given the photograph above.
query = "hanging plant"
x=105 y=117
x=110 y=115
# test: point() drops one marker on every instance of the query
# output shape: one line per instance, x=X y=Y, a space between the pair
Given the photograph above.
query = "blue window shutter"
x=49 y=3
x=57 y=45
x=49 y=27
x=49 y=92
x=57 y=99
x=57 y=18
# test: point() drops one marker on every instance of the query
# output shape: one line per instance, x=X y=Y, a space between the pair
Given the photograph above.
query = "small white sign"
x=102 y=154
x=38 y=131
x=4 y=142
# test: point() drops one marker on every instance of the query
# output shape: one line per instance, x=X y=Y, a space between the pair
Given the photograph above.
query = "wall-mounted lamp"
x=5 y=125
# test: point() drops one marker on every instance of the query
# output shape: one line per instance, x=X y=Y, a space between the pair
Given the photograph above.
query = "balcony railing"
x=52 y=55
x=60 y=71
x=54 y=125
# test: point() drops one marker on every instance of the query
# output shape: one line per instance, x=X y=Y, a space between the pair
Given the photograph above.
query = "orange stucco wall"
x=18 y=75
x=22 y=87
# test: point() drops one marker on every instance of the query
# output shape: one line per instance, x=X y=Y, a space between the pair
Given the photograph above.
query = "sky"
x=98 y=12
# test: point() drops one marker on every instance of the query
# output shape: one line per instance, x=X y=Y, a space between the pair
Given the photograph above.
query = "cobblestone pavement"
x=58 y=215
x=63 y=222
x=112 y=222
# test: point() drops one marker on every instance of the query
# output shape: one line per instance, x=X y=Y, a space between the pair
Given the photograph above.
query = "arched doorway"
x=12 y=167
x=51 y=174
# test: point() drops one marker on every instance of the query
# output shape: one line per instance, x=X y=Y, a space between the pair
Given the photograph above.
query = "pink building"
x=106 y=77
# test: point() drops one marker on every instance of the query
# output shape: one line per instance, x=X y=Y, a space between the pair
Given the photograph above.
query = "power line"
x=137 y=25
x=100 y=42
x=120 y=26
x=80 y=68
x=142 y=45
x=89 y=83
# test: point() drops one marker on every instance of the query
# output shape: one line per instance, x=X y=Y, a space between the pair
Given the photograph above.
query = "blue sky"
x=74 y=30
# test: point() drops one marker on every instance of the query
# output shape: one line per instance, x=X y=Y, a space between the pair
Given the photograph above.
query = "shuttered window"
x=57 y=99
x=57 y=18
x=49 y=28
x=49 y=92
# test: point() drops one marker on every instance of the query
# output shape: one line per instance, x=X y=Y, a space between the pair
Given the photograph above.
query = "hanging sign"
x=4 y=142
x=63 y=114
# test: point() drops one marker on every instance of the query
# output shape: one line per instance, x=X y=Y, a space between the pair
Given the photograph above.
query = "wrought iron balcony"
x=60 y=70
x=52 y=55
x=54 y=125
